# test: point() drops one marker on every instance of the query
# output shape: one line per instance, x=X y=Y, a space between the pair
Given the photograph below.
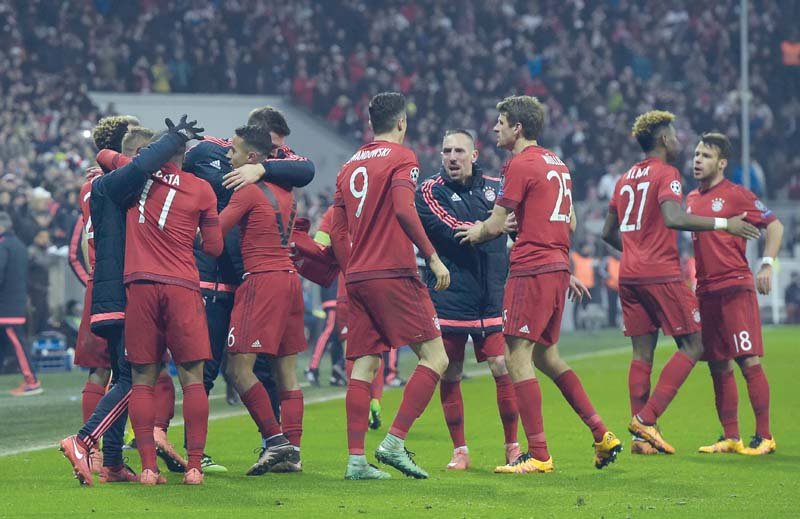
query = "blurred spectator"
x=612 y=286
x=792 y=299
x=39 y=280
x=13 y=298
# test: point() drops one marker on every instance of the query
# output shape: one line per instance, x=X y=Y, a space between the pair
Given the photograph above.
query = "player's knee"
x=453 y=371
x=747 y=362
x=497 y=365
x=717 y=366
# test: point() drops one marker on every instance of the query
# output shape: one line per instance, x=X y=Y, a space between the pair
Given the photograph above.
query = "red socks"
x=142 y=414
x=195 y=418
x=377 y=383
x=259 y=405
x=357 y=405
x=639 y=384
x=758 y=389
x=507 y=405
x=90 y=396
x=573 y=391
x=672 y=378
x=164 y=392
x=453 y=406
x=726 y=397
x=529 y=400
x=417 y=394
x=292 y=415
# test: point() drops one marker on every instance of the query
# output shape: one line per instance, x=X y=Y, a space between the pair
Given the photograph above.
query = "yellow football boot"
x=606 y=450
x=760 y=446
x=723 y=446
x=526 y=464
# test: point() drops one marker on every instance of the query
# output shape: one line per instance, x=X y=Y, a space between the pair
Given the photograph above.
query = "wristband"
x=766 y=260
x=720 y=224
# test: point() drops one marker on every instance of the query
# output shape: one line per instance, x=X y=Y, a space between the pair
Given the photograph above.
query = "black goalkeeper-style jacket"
x=474 y=301
x=208 y=160
x=112 y=194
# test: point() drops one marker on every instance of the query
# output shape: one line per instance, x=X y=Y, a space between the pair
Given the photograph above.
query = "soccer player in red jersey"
x=537 y=188
x=267 y=315
x=725 y=290
x=643 y=215
x=375 y=225
x=164 y=307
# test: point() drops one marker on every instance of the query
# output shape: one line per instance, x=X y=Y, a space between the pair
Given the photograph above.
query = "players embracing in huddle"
x=165 y=222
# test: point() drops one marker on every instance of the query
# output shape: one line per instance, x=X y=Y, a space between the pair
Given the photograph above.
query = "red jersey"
x=326 y=226
x=721 y=259
x=161 y=228
x=262 y=249
x=380 y=248
x=649 y=247
x=537 y=186
x=83 y=199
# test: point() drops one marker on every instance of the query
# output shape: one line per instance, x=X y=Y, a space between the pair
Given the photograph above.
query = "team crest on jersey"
x=675 y=186
x=696 y=315
x=489 y=193
x=414 y=174
x=716 y=204
x=436 y=322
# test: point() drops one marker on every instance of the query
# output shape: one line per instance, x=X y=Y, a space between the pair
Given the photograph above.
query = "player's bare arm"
x=676 y=218
x=772 y=246
x=486 y=230
x=611 y=231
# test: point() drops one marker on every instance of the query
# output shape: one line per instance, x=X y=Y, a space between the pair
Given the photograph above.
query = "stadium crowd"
x=594 y=64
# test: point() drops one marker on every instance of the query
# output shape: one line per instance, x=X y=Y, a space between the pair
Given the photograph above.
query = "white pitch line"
x=315 y=400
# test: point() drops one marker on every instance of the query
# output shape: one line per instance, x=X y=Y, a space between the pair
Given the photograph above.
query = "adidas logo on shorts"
x=216 y=164
x=525 y=329
x=256 y=344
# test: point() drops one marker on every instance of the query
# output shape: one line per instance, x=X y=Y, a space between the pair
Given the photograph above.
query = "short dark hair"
x=136 y=137
x=526 y=110
x=256 y=137
x=271 y=119
x=384 y=111
x=459 y=131
x=719 y=141
x=108 y=133
x=647 y=127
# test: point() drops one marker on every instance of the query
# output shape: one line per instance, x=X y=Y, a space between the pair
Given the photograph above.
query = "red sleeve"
x=512 y=190
x=74 y=250
x=406 y=213
x=325 y=222
x=209 y=224
x=407 y=172
x=612 y=205
x=238 y=206
x=669 y=186
x=340 y=240
x=758 y=214
x=110 y=160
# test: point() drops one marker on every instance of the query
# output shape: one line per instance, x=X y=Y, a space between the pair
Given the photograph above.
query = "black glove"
x=187 y=131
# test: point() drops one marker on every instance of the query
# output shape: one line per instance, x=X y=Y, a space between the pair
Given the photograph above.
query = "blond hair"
x=647 y=126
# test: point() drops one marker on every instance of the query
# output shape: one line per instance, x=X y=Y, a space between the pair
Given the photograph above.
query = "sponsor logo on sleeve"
x=414 y=174
x=675 y=186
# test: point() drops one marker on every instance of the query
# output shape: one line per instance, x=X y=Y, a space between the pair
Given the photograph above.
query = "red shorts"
x=533 y=306
x=493 y=345
x=267 y=315
x=342 y=311
x=158 y=316
x=670 y=306
x=91 y=351
x=389 y=313
x=732 y=325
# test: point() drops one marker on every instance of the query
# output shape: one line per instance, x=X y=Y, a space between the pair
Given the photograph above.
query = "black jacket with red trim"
x=474 y=301
x=208 y=160
x=13 y=280
x=112 y=194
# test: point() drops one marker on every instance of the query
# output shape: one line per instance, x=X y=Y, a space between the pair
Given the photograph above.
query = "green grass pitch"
x=688 y=484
